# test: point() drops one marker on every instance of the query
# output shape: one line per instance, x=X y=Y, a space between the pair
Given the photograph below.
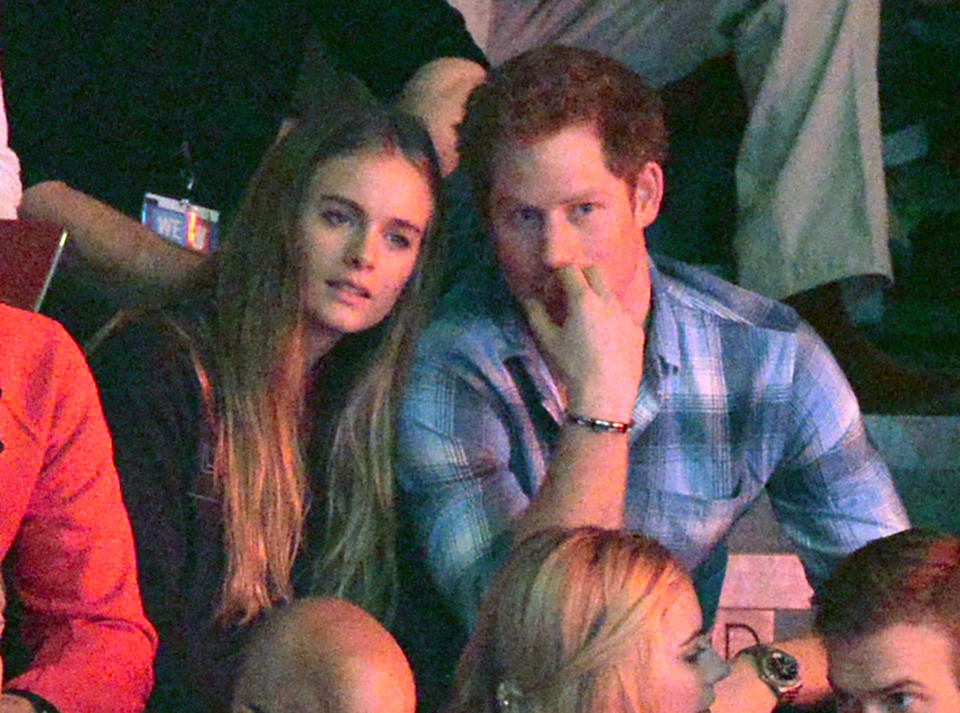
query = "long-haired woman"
x=588 y=621
x=253 y=425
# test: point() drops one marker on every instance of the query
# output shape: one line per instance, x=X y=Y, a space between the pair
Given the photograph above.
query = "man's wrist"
x=742 y=690
x=599 y=425
x=31 y=702
x=610 y=407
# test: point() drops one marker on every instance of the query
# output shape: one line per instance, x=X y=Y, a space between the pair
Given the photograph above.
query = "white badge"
x=182 y=222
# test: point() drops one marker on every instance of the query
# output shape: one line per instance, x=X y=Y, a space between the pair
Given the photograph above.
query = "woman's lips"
x=348 y=287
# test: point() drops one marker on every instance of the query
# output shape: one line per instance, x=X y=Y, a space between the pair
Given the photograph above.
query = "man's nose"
x=559 y=245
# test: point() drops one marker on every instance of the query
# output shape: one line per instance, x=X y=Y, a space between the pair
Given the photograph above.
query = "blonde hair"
x=559 y=620
x=258 y=386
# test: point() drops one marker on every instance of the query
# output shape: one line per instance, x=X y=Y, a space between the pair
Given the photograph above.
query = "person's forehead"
x=569 y=161
x=583 y=134
x=683 y=616
x=902 y=651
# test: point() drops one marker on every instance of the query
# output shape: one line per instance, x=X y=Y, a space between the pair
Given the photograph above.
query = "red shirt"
x=63 y=523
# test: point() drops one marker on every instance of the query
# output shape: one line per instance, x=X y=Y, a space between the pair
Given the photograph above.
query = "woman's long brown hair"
x=256 y=353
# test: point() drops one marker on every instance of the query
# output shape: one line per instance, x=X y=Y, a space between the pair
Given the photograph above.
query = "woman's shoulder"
x=140 y=337
x=153 y=388
x=153 y=353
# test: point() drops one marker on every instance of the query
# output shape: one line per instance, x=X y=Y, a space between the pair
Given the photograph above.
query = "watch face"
x=783 y=666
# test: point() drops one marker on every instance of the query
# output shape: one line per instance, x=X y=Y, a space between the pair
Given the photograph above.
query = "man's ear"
x=647 y=194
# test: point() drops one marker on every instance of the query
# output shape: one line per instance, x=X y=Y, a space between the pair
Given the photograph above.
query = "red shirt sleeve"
x=74 y=566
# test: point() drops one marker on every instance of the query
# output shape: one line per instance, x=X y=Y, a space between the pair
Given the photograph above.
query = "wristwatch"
x=776 y=668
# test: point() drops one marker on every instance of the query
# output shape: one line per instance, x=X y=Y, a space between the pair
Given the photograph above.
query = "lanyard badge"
x=181 y=222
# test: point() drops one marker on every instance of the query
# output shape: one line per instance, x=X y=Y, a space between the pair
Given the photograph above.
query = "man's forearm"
x=115 y=247
x=596 y=356
x=585 y=484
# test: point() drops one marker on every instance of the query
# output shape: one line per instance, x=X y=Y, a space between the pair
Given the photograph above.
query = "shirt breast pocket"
x=689 y=524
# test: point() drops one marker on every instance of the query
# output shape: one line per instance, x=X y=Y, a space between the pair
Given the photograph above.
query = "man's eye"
x=900 y=702
x=526 y=217
x=335 y=217
x=581 y=210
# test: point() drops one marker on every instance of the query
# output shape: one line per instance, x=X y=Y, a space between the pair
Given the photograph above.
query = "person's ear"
x=647 y=194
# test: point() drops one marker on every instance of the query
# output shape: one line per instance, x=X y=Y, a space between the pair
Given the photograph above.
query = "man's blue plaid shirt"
x=738 y=395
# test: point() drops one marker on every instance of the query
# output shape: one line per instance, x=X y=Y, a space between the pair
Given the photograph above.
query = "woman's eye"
x=694 y=655
x=399 y=240
x=335 y=217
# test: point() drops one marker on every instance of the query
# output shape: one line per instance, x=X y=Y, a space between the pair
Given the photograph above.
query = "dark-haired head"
x=911 y=578
x=543 y=91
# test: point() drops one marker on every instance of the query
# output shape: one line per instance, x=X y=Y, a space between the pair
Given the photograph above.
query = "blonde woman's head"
x=588 y=620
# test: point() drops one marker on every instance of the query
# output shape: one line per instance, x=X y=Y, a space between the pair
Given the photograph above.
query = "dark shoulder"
x=158 y=354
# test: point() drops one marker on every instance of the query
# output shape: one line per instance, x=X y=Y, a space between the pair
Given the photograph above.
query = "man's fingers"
x=577 y=280
x=595 y=279
x=571 y=279
x=540 y=321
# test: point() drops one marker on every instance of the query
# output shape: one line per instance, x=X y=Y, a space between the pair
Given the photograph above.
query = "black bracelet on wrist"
x=39 y=703
x=600 y=425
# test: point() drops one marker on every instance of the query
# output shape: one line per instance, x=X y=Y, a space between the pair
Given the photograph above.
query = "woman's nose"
x=360 y=252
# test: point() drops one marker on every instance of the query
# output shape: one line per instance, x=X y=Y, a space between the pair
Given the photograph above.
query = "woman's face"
x=361 y=225
x=904 y=668
x=683 y=666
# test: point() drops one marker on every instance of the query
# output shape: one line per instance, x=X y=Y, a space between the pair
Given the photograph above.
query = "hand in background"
x=15 y=704
x=437 y=94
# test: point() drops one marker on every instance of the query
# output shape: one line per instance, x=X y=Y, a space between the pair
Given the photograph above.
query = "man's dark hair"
x=540 y=92
x=912 y=577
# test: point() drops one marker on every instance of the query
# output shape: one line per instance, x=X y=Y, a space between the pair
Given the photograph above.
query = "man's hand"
x=15 y=704
x=597 y=352
x=597 y=355
x=742 y=691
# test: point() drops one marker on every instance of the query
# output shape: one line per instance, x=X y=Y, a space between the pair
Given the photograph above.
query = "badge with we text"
x=181 y=222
